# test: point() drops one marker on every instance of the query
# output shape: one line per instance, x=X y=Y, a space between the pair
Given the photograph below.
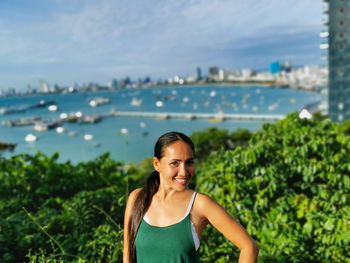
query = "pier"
x=193 y=115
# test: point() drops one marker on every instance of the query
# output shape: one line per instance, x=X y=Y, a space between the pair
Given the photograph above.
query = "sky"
x=80 y=41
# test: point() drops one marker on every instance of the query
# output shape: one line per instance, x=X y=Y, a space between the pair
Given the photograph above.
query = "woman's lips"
x=181 y=181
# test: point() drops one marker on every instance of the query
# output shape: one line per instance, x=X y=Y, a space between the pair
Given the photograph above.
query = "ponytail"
x=142 y=203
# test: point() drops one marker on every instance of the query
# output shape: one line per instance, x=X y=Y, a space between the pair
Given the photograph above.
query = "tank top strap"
x=189 y=208
x=145 y=217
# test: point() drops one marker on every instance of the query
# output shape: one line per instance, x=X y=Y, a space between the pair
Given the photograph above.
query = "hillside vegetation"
x=287 y=184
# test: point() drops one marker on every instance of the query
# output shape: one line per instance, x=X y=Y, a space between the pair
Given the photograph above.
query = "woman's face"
x=176 y=167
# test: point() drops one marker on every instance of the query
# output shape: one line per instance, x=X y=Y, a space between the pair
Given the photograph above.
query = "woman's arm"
x=128 y=210
x=229 y=227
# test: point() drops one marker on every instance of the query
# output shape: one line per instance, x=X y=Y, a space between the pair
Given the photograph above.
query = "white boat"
x=63 y=116
x=73 y=133
x=11 y=110
x=272 y=107
x=60 y=129
x=305 y=114
x=159 y=103
x=94 y=102
x=88 y=137
x=30 y=138
x=53 y=108
x=44 y=126
x=124 y=131
x=93 y=118
x=136 y=102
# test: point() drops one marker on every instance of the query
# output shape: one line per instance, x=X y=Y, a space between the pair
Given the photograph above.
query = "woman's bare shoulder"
x=135 y=193
x=203 y=201
x=203 y=198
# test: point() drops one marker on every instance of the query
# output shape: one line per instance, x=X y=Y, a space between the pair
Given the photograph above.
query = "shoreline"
x=200 y=84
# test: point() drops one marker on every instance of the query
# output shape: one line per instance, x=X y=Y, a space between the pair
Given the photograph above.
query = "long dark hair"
x=144 y=198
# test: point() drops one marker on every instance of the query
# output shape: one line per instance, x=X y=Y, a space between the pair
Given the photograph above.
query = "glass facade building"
x=339 y=59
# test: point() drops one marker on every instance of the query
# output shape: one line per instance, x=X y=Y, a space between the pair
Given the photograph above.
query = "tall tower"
x=339 y=59
x=198 y=73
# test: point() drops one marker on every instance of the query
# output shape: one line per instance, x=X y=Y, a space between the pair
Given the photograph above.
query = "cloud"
x=157 y=37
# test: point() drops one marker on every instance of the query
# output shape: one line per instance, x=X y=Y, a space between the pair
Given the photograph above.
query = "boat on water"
x=42 y=103
x=11 y=110
x=159 y=103
x=60 y=129
x=21 y=122
x=53 y=108
x=273 y=106
x=93 y=118
x=190 y=116
x=31 y=138
x=73 y=133
x=71 y=117
x=44 y=126
x=7 y=146
x=212 y=93
x=219 y=117
x=94 y=102
x=124 y=131
x=88 y=137
x=136 y=102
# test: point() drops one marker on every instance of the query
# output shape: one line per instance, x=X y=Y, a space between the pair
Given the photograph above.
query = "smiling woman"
x=165 y=219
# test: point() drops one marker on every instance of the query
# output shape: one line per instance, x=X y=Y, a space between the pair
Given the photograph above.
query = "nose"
x=182 y=170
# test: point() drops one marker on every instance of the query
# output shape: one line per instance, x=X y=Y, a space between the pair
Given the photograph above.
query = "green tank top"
x=170 y=244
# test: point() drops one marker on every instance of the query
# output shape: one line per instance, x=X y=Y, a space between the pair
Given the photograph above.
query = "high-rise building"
x=214 y=73
x=198 y=73
x=275 y=67
x=44 y=86
x=338 y=59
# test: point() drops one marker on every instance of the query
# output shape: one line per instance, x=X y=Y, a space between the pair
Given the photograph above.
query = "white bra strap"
x=190 y=204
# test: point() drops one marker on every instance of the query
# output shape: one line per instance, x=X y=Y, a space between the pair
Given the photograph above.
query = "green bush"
x=289 y=188
x=217 y=140
x=59 y=211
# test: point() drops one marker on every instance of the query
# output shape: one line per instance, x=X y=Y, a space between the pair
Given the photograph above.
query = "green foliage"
x=218 y=140
x=289 y=188
x=59 y=212
x=288 y=184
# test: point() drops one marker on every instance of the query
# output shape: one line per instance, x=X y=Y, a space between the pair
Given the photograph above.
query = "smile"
x=181 y=181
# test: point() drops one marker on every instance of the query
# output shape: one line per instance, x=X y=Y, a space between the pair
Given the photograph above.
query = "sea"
x=131 y=139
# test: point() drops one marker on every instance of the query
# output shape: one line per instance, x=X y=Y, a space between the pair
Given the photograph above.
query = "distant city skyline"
x=79 y=41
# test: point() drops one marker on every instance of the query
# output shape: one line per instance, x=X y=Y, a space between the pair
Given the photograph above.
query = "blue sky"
x=78 y=41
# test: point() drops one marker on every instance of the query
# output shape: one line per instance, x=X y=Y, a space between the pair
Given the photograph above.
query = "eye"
x=190 y=162
x=174 y=163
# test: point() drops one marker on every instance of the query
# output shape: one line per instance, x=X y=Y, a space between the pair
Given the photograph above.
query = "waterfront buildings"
x=214 y=73
x=275 y=67
x=338 y=23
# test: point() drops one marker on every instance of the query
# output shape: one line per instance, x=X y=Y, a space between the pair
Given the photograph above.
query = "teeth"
x=181 y=180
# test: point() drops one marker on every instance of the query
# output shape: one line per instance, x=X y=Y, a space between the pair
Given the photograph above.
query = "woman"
x=165 y=219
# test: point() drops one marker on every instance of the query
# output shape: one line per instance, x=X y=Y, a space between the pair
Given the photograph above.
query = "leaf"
x=329 y=225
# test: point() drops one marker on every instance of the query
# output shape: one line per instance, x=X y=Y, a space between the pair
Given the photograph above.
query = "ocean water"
x=142 y=133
